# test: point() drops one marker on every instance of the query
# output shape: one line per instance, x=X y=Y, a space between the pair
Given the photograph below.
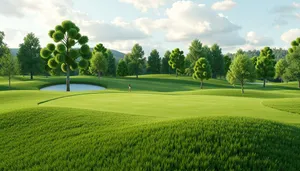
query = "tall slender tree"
x=166 y=68
x=3 y=46
x=29 y=57
x=202 y=70
x=154 y=62
x=227 y=63
x=99 y=63
x=293 y=60
x=9 y=66
x=177 y=61
x=122 y=69
x=63 y=54
x=265 y=65
x=137 y=58
x=241 y=69
x=111 y=62
x=217 y=61
x=280 y=69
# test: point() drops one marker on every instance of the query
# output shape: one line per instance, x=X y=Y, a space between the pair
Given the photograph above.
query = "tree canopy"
x=217 y=61
x=29 y=57
x=154 y=62
x=9 y=66
x=99 y=63
x=265 y=65
x=122 y=69
x=177 y=61
x=241 y=70
x=137 y=58
x=202 y=70
x=63 y=55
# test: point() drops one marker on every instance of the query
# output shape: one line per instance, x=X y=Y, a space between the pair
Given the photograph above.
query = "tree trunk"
x=242 y=85
x=298 y=83
x=201 y=86
x=99 y=75
x=264 y=83
x=68 y=79
x=31 y=75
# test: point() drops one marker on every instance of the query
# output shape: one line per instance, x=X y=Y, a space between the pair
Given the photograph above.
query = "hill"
x=118 y=55
x=165 y=123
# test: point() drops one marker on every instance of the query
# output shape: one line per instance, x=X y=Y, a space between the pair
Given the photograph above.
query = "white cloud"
x=110 y=32
x=290 y=35
x=253 y=39
x=297 y=5
x=42 y=19
x=223 y=5
x=187 y=20
x=144 y=5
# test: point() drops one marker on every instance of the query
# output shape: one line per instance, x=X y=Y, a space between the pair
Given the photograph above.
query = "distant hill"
x=118 y=55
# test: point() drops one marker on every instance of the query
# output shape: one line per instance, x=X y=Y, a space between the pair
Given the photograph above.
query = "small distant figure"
x=129 y=87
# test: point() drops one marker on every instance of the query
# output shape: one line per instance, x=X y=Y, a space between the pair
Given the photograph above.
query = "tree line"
x=202 y=62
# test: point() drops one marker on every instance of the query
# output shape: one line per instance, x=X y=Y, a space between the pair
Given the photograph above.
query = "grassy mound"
x=286 y=104
x=68 y=139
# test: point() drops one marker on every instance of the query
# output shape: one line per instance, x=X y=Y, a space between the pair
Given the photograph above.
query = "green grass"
x=165 y=123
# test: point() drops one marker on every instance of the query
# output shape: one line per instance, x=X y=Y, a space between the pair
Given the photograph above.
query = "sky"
x=158 y=24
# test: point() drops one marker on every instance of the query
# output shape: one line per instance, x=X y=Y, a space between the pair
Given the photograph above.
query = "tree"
x=254 y=60
x=280 y=69
x=63 y=54
x=3 y=46
x=217 y=61
x=166 y=68
x=227 y=63
x=136 y=56
x=9 y=67
x=154 y=62
x=195 y=51
x=28 y=55
x=293 y=60
x=265 y=65
x=122 y=69
x=202 y=70
x=240 y=70
x=99 y=63
x=177 y=61
x=111 y=60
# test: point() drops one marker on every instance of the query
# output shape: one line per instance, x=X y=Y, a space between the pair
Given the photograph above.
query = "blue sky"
x=160 y=24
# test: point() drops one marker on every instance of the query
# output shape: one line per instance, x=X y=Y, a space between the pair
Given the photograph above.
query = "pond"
x=73 y=87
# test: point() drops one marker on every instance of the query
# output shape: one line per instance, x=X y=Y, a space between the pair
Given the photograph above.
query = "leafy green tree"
x=154 y=62
x=240 y=70
x=111 y=61
x=28 y=55
x=177 y=61
x=208 y=54
x=137 y=58
x=227 y=63
x=265 y=65
x=254 y=60
x=202 y=70
x=195 y=51
x=217 y=61
x=3 y=46
x=293 y=60
x=280 y=69
x=99 y=63
x=189 y=66
x=63 y=54
x=122 y=69
x=166 y=68
x=9 y=66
